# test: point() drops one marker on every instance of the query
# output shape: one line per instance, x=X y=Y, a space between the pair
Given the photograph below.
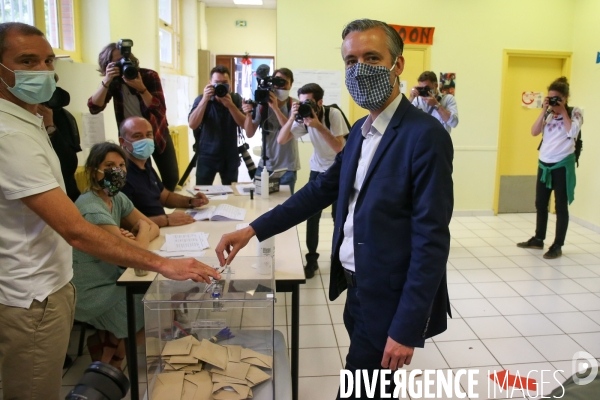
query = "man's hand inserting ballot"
x=233 y=242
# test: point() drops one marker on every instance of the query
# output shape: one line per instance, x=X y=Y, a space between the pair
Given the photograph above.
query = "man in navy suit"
x=393 y=187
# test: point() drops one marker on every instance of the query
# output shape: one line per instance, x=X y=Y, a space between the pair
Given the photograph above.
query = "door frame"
x=231 y=65
x=506 y=55
x=426 y=49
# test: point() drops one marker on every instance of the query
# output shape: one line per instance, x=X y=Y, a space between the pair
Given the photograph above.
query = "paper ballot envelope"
x=231 y=391
x=258 y=359
x=168 y=386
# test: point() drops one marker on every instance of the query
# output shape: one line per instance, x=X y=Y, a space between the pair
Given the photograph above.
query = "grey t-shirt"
x=281 y=156
x=131 y=103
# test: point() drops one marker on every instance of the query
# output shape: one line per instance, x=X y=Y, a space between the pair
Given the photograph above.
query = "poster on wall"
x=403 y=85
x=93 y=129
x=532 y=99
x=448 y=82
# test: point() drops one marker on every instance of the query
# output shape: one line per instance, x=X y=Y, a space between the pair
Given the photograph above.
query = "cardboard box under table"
x=216 y=341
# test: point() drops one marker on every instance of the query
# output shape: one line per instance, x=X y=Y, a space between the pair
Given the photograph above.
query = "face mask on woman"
x=113 y=180
x=142 y=149
x=32 y=87
x=369 y=85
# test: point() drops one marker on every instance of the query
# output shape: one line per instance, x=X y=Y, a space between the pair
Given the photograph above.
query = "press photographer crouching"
x=137 y=92
x=216 y=118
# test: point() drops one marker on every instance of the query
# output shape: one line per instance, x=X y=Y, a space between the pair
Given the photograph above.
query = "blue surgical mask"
x=142 y=149
x=32 y=87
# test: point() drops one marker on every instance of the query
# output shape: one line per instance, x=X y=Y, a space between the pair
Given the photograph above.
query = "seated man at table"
x=144 y=188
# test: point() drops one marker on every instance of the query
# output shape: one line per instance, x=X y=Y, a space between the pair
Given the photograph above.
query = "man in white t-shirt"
x=326 y=128
x=39 y=224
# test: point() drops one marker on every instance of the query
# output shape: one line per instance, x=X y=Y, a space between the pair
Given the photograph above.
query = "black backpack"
x=328 y=122
x=578 y=141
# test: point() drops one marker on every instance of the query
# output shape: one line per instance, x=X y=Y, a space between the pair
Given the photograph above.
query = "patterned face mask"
x=113 y=181
x=369 y=85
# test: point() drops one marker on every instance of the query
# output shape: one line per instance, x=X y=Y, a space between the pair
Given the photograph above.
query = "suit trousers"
x=33 y=344
x=362 y=354
x=312 y=226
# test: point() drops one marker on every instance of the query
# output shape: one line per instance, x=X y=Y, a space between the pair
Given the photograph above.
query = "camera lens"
x=221 y=90
x=129 y=71
x=100 y=381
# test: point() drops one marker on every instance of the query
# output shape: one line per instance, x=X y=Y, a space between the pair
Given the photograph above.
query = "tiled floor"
x=511 y=308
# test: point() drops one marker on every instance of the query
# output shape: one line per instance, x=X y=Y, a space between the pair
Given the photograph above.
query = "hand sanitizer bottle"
x=264 y=184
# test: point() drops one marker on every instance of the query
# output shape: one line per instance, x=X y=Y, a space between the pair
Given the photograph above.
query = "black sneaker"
x=553 y=252
x=533 y=243
x=310 y=269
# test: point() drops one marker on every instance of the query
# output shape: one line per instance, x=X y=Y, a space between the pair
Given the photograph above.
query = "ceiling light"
x=248 y=2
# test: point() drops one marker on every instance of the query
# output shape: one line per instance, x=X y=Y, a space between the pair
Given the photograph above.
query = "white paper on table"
x=196 y=241
x=222 y=212
x=210 y=196
x=180 y=254
x=243 y=189
x=213 y=189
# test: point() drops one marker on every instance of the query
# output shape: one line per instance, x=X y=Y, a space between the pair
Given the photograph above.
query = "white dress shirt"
x=373 y=132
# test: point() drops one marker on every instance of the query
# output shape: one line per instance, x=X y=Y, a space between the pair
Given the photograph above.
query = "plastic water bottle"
x=264 y=184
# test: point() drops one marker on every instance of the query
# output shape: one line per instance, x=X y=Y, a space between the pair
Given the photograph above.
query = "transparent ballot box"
x=212 y=341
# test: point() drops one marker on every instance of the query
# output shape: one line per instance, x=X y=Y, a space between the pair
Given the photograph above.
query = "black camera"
x=243 y=150
x=265 y=84
x=554 y=101
x=100 y=381
x=127 y=67
x=221 y=89
x=305 y=110
x=424 y=91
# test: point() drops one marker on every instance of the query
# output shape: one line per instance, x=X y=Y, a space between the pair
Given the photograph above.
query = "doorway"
x=516 y=170
x=244 y=83
x=417 y=59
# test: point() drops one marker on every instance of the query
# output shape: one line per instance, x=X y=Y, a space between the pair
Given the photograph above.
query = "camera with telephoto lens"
x=221 y=89
x=100 y=381
x=424 y=91
x=127 y=67
x=265 y=84
x=305 y=110
x=554 y=101
x=243 y=150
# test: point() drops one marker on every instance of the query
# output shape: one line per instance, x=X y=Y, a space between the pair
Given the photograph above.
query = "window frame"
x=39 y=14
x=175 y=30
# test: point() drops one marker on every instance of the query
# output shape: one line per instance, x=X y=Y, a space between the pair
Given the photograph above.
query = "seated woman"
x=100 y=302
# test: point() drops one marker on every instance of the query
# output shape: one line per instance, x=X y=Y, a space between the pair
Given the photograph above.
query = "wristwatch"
x=190 y=203
x=436 y=106
x=50 y=129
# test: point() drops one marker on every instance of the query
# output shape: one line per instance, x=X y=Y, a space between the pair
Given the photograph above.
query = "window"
x=59 y=18
x=168 y=34
x=16 y=11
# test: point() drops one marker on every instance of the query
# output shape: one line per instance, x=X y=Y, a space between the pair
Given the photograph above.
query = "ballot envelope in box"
x=274 y=180
x=212 y=341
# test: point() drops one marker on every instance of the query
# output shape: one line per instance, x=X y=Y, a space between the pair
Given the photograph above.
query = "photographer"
x=327 y=142
x=141 y=96
x=271 y=119
x=215 y=118
x=426 y=97
x=560 y=125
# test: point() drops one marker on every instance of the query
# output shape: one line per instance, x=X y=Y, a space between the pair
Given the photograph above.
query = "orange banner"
x=415 y=34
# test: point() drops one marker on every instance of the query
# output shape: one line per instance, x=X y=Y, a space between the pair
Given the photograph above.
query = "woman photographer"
x=142 y=97
x=100 y=302
x=560 y=125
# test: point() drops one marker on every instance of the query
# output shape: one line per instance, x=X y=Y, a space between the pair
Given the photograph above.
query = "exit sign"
x=241 y=23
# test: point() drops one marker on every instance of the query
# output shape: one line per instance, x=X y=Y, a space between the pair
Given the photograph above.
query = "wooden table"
x=289 y=271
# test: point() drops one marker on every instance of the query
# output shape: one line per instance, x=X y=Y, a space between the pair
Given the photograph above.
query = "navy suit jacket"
x=401 y=218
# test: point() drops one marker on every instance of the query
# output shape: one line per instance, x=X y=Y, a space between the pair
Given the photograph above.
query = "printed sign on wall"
x=415 y=34
x=532 y=99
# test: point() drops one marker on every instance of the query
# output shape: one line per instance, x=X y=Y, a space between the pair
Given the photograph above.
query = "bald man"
x=144 y=187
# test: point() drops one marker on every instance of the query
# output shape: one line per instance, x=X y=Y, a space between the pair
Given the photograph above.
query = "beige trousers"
x=33 y=345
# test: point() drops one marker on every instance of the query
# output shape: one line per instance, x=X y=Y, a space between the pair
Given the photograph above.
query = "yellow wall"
x=258 y=38
x=584 y=93
x=469 y=38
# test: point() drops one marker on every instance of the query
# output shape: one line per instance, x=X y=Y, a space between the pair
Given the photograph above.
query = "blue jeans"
x=289 y=178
